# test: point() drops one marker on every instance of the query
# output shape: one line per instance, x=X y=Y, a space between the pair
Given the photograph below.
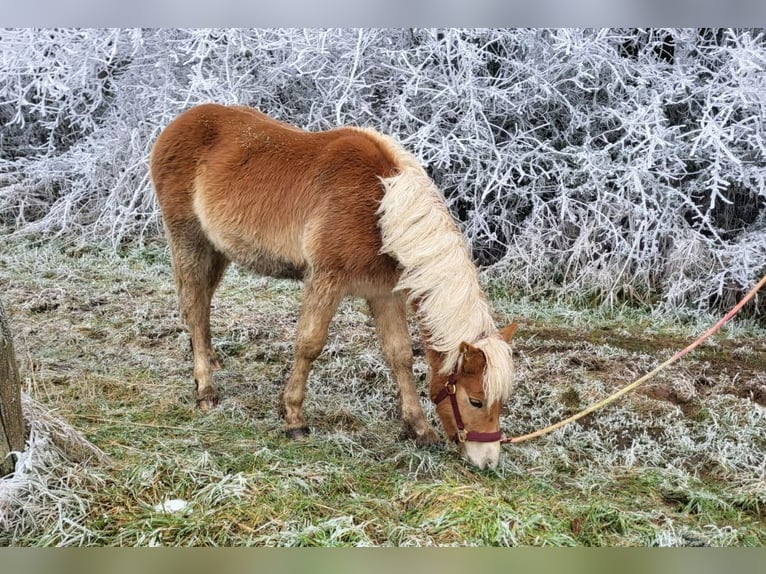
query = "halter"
x=462 y=435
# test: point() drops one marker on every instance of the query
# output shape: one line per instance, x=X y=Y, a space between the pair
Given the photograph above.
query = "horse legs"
x=198 y=269
x=320 y=301
x=390 y=317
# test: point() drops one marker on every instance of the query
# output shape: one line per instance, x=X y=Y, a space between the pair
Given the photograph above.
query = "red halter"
x=462 y=435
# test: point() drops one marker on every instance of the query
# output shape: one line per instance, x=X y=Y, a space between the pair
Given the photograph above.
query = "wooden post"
x=11 y=419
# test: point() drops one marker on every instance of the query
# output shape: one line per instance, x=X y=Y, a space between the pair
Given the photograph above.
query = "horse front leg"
x=320 y=302
x=389 y=313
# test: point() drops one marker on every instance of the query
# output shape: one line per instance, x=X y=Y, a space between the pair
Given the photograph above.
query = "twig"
x=135 y=424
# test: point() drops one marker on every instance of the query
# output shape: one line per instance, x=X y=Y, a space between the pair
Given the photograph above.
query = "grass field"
x=681 y=461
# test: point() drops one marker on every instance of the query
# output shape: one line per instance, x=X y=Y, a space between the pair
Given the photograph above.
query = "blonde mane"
x=437 y=270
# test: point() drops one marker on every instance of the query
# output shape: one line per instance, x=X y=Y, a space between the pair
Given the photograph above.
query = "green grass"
x=100 y=344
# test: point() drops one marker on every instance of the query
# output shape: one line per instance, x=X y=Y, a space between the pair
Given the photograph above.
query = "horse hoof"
x=427 y=438
x=207 y=404
x=207 y=401
x=422 y=437
x=298 y=432
x=207 y=398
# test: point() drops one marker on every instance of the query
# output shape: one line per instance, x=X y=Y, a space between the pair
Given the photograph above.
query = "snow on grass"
x=100 y=345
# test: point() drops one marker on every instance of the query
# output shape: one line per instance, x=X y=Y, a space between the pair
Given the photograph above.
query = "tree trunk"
x=11 y=420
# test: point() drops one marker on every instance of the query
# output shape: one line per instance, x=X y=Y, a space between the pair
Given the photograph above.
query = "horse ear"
x=473 y=359
x=507 y=332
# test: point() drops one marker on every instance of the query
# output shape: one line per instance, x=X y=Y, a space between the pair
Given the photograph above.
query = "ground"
x=680 y=461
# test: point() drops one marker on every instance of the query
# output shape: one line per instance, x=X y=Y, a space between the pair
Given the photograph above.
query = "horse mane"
x=438 y=273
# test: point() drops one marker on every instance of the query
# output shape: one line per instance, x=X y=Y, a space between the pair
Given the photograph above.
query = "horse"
x=350 y=212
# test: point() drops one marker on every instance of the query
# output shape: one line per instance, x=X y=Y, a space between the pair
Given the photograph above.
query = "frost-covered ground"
x=680 y=461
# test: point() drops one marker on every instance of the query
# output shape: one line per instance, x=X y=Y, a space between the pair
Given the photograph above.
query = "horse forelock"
x=499 y=373
x=438 y=273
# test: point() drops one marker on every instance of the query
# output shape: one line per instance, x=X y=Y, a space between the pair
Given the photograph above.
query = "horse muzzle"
x=482 y=454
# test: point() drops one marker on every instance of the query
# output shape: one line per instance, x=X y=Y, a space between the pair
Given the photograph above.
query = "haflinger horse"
x=350 y=212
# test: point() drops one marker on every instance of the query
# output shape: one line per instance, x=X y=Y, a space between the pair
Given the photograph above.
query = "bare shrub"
x=602 y=165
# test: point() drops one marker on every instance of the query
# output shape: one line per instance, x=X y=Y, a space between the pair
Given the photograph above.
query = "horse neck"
x=434 y=358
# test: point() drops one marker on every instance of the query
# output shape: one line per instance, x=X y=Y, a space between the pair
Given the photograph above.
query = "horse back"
x=264 y=191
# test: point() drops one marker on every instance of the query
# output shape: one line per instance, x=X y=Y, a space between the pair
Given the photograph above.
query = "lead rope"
x=643 y=379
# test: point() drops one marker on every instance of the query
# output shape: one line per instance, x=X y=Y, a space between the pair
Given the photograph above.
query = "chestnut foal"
x=350 y=212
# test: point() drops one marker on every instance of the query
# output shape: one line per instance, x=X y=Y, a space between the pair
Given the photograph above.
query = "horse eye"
x=475 y=403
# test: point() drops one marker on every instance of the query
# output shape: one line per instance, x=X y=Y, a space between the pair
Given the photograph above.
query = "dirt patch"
x=740 y=354
x=734 y=367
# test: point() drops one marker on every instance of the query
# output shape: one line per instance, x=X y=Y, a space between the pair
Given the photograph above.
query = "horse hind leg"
x=389 y=314
x=198 y=268
x=321 y=299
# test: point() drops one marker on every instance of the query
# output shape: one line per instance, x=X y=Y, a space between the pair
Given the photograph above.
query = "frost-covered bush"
x=602 y=165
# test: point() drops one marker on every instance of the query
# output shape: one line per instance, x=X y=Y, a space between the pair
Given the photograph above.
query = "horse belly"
x=260 y=244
